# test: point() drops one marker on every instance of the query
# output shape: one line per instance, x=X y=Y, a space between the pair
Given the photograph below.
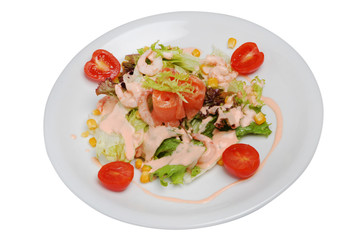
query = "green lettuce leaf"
x=195 y=171
x=180 y=59
x=173 y=172
x=185 y=61
x=254 y=128
x=136 y=121
x=208 y=131
x=167 y=147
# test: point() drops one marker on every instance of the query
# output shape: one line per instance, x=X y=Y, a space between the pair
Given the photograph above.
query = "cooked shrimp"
x=106 y=104
x=129 y=98
x=149 y=69
x=143 y=108
x=213 y=60
x=216 y=67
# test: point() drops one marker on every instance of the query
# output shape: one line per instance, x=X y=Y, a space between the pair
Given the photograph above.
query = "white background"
x=39 y=38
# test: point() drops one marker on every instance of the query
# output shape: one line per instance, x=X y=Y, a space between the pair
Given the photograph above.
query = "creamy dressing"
x=186 y=154
x=204 y=123
x=233 y=117
x=222 y=139
x=278 y=134
x=116 y=122
x=129 y=98
x=153 y=139
x=186 y=138
x=248 y=116
x=106 y=104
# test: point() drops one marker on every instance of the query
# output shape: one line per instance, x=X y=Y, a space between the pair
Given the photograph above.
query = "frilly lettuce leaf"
x=173 y=172
x=254 y=128
x=169 y=82
x=167 y=147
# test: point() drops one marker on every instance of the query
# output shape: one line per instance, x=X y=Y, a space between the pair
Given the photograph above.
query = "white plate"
x=289 y=82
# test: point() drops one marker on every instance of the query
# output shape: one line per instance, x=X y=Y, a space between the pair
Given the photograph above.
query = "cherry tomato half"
x=241 y=160
x=247 y=58
x=102 y=65
x=116 y=176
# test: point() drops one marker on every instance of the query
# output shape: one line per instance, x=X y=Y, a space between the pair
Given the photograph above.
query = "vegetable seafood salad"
x=172 y=113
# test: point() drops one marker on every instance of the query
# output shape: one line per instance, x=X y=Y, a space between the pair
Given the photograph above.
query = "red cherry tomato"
x=102 y=65
x=241 y=160
x=247 y=58
x=116 y=176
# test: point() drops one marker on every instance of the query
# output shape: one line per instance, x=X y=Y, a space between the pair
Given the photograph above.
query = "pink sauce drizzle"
x=96 y=161
x=73 y=136
x=278 y=134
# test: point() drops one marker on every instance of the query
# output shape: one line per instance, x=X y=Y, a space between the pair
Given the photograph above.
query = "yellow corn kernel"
x=212 y=82
x=96 y=112
x=232 y=42
x=145 y=177
x=196 y=53
x=259 y=118
x=138 y=163
x=85 y=134
x=91 y=124
x=92 y=142
x=220 y=162
x=146 y=168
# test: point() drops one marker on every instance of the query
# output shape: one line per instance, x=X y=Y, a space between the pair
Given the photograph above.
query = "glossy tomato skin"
x=247 y=58
x=116 y=176
x=241 y=160
x=103 y=65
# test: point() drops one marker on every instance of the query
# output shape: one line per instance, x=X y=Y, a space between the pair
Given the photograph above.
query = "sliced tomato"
x=116 y=176
x=102 y=65
x=241 y=160
x=167 y=106
x=195 y=99
x=247 y=58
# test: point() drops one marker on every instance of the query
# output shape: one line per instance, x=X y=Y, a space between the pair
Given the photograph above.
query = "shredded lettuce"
x=238 y=86
x=173 y=172
x=257 y=85
x=253 y=128
x=135 y=120
x=195 y=123
x=111 y=146
x=169 y=82
x=218 y=52
x=167 y=147
x=185 y=61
